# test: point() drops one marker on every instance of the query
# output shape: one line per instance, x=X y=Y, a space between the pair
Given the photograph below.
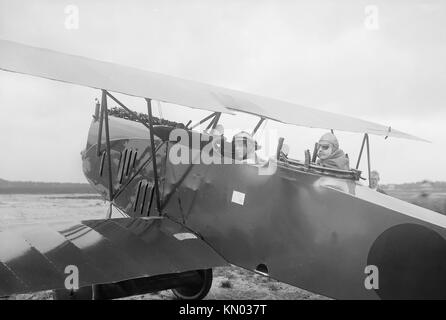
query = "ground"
x=230 y=283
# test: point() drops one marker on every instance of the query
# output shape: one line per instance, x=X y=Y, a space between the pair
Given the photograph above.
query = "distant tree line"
x=434 y=185
x=30 y=187
x=426 y=194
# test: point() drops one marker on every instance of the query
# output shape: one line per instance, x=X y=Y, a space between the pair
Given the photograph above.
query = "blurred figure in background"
x=374 y=182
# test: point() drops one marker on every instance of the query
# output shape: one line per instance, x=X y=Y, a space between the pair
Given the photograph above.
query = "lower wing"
x=41 y=257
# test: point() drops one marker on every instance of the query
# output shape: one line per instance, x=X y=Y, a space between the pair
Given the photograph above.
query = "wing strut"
x=365 y=141
x=262 y=119
x=214 y=121
x=212 y=115
x=104 y=117
x=152 y=145
x=107 y=139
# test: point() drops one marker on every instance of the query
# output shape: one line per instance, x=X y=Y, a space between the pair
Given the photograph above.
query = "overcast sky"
x=382 y=61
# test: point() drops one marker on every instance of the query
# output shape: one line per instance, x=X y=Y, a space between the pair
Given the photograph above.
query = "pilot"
x=330 y=155
x=218 y=137
x=244 y=147
x=374 y=182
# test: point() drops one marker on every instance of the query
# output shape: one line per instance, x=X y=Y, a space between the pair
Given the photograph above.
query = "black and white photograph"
x=222 y=150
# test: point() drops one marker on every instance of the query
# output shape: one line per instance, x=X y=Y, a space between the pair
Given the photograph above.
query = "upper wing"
x=303 y=116
x=35 y=257
x=49 y=64
x=63 y=67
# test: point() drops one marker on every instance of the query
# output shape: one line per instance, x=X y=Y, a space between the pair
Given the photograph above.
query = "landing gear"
x=189 y=285
x=198 y=290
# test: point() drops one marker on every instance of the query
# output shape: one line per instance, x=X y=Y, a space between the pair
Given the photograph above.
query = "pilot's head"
x=328 y=144
x=244 y=145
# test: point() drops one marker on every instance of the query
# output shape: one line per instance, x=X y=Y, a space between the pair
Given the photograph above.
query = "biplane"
x=316 y=228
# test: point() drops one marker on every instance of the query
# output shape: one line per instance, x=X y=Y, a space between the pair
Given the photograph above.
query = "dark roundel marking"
x=411 y=261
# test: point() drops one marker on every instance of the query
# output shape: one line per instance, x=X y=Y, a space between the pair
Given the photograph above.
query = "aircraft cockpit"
x=244 y=147
x=309 y=164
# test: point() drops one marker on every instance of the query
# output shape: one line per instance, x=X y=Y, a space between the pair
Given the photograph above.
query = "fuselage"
x=325 y=234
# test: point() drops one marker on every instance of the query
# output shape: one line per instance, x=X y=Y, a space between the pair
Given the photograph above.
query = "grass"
x=273 y=287
x=226 y=284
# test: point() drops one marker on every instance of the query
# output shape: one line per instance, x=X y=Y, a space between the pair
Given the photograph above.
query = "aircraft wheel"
x=197 y=291
x=84 y=293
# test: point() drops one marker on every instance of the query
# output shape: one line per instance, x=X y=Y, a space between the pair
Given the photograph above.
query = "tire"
x=198 y=291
